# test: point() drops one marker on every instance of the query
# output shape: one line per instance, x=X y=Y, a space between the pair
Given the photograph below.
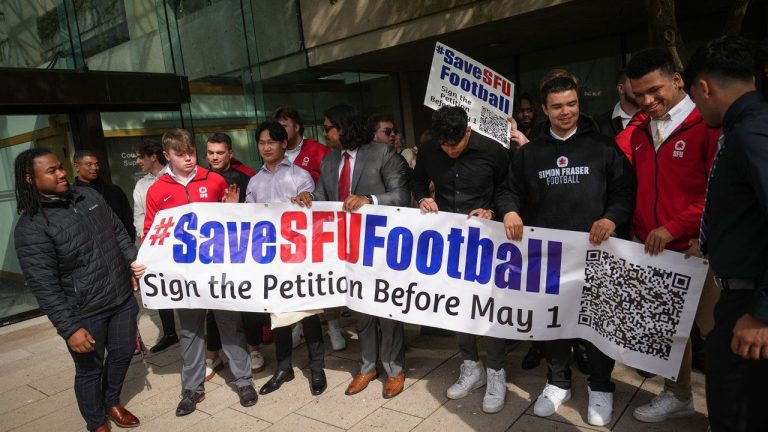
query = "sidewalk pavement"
x=37 y=374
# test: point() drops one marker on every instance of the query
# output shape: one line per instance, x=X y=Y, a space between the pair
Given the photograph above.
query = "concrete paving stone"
x=35 y=366
x=165 y=357
x=295 y=394
x=428 y=394
x=10 y=358
x=168 y=422
x=218 y=399
x=528 y=423
x=18 y=397
x=58 y=382
x=53 y=343
x=231 y=421
x=23 y=334
x=157 y=404
x=337 y=409
x=466 y=414
x=295 y=422
x=40 y=408
x=385 y=420
x=64 y=419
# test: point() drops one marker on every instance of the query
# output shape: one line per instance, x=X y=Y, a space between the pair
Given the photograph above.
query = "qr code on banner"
x=494 y=125
x=636 y=307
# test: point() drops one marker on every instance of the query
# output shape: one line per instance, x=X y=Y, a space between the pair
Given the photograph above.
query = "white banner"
x=441 y=270
x=458 y=80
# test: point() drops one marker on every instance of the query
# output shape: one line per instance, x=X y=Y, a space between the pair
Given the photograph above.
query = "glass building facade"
x=243 y=59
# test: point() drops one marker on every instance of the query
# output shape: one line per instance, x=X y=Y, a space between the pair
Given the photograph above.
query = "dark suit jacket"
x=609 y=126
x=378 y=171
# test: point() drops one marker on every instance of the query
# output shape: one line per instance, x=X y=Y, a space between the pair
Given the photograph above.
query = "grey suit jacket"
x=378 y=171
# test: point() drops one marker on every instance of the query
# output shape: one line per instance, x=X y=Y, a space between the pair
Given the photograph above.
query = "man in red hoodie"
x=671 y=149
x=183 y=183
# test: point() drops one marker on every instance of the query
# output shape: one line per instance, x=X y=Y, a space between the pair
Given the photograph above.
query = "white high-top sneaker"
x=495 y=390
x=471 y=377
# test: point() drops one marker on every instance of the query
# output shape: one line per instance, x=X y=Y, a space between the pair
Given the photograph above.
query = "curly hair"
x=353 y=131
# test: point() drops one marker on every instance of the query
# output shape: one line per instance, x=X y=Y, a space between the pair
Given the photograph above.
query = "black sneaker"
x=248 y=396
x=189 y=400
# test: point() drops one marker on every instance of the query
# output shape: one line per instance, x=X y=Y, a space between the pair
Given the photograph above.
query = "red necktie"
x=344 y=180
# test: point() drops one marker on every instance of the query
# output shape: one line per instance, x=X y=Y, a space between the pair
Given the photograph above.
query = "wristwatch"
x=370 y=199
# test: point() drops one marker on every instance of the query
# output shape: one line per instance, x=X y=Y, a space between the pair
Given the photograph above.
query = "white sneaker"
x=471 y=377
x=257 y=361
x=665 y=405
x=211 y=367
x=297 y=334
x=495 y=391
x=550 y=400
x=600 y=411
x=338 y=342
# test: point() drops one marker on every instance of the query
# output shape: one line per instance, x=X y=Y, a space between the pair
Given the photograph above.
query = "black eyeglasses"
x=329 y=128
x=387 y=131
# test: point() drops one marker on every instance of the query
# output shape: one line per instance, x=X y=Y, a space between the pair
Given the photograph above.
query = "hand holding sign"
x=514 y=134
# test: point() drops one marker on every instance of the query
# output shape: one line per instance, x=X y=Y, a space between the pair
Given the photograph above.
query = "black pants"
x=167 y=321
x=558 y=354
x=495 y=349
x=314 y=337
x=98 y=383
x=252 y=324
x=737 y=388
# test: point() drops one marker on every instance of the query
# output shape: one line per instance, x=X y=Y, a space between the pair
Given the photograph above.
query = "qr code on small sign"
x=494 y=125
x=636 y=307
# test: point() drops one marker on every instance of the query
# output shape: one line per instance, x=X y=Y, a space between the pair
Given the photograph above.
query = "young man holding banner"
x=571 y=178
x=468 y=170
x=671 y=150
x=359 y=172
x=186 y=182
x=279 y=180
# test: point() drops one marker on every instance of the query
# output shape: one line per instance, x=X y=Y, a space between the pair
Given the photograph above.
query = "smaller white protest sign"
x=458 y=80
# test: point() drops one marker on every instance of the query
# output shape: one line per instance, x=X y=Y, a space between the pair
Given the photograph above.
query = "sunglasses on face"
x=387 y=131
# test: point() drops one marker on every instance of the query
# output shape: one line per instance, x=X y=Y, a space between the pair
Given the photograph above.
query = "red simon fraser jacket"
x=671 y=183
x=206 y=186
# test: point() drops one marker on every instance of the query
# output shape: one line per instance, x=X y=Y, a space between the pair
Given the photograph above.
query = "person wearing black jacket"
x=570 y=178
x=75 y=255
x=86 y=165
x=734 y=233
x=468 y=171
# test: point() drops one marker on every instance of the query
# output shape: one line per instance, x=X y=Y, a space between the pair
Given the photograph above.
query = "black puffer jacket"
x=75 y=255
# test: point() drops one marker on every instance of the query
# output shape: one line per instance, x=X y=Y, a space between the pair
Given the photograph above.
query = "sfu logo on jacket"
x=206 y=186
x=671 y=182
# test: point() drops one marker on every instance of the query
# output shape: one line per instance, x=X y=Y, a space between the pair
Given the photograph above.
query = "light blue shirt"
x=280 y=185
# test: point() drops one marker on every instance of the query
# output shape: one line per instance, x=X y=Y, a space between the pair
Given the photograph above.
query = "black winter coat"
x=117 y=201
x=75 y=255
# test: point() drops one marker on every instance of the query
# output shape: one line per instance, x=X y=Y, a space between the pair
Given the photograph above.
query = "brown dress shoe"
x=393 y=386
x=360 y=382
x=122 y=417
x=102 y=428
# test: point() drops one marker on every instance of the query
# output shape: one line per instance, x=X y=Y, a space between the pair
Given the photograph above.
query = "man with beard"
x=75 y=255
x=612 y=122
